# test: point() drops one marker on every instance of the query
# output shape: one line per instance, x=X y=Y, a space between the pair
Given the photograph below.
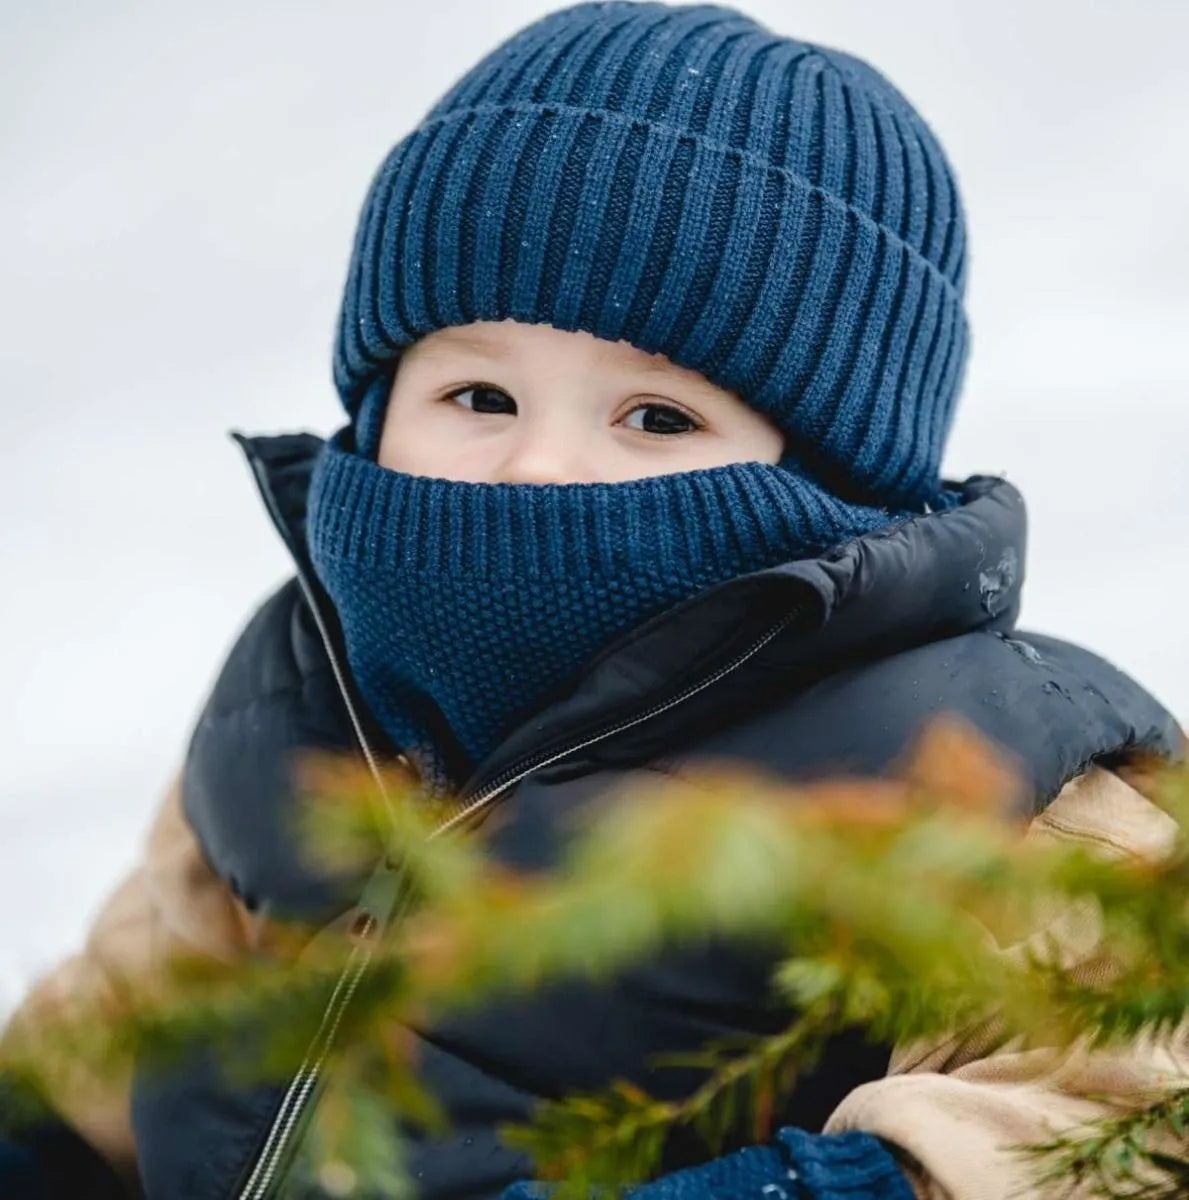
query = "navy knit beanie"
x=770 y=213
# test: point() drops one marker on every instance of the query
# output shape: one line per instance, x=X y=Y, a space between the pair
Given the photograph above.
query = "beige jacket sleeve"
x=958 y=1105
x=173 y=903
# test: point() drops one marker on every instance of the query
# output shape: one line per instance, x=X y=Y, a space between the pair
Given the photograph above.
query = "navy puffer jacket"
x=806 y=670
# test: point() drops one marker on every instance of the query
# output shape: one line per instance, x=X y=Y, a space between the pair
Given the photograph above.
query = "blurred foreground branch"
x=887 y=903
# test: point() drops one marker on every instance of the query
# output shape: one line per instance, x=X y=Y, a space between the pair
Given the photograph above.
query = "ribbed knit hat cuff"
x=728 y=519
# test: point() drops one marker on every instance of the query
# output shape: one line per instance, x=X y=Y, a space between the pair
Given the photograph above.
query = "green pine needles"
x=909 y=910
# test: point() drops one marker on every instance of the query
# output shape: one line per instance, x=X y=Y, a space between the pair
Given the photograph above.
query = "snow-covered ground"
x=179 y=187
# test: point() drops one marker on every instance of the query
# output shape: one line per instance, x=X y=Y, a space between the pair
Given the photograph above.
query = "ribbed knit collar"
x=464 y=604
x=724 y=518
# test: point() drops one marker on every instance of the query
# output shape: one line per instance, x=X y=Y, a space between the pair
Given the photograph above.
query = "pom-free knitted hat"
x=770 y=213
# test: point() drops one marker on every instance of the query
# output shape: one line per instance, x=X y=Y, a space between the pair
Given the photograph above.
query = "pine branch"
x=617 y=1136
x=885 y=905
x=1141 y=1155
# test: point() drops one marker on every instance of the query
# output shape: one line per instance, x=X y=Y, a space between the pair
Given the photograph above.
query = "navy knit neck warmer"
x=464 y=605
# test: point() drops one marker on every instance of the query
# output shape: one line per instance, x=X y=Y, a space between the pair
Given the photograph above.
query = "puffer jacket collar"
x=915 y=581
x=833 y=644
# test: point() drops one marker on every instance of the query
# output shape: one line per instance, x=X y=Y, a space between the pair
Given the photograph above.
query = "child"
x=651 y=339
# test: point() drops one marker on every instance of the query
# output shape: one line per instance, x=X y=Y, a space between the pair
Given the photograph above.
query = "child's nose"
x=544 y=463
x=551 y=452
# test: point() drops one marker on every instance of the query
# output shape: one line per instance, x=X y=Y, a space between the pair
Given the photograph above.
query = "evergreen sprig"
x=886 y=905
x=1142 y=1155
x=586 y=1142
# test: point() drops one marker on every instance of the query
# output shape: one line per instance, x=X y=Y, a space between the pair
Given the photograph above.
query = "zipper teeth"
x=341 y=682
x=303 y=1083
x=493 y=790
x=307 y=591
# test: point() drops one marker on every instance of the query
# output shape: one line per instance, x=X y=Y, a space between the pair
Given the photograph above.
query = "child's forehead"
x=501 y=339
x=476 y=338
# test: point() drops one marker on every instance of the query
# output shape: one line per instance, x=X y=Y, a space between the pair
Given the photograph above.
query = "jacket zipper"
x=302 y=1087
x=514 y=776
x=295 y=1102
x=382 y=893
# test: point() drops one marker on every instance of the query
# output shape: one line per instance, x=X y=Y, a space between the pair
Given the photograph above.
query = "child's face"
x=507 y=402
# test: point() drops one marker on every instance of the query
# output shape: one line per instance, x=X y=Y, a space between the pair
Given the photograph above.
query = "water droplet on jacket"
x=1025 y=651
x=995 y=585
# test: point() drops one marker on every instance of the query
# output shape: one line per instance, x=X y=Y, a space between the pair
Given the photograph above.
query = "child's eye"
x=481 y=398
x=660 y=418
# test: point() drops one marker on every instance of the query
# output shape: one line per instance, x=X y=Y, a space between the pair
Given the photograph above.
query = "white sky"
x=178 y=188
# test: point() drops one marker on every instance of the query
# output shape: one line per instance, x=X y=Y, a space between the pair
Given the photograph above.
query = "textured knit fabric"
x=771 y=213
x=843 y=1166
x=464 y=604
x=748 y=1174
x=798 y=1166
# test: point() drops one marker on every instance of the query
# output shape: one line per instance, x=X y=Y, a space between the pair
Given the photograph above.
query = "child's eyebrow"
x=475 y=343
x=705 y=390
